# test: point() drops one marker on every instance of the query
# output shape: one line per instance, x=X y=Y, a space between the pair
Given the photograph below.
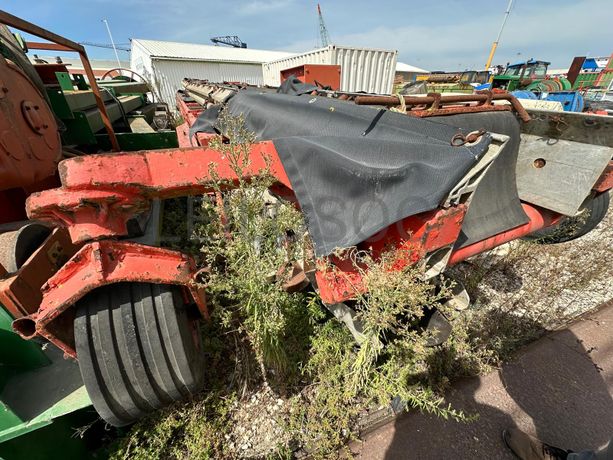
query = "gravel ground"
x=545 y=285
x=258 y=424
x=550 y=283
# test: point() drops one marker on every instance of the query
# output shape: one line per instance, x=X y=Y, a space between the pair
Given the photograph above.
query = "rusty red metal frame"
x=605 y=182
x=435 y=104
x=539 y=218
x=100 y=193
x=63 y=44
x=189 y=112
x=98 y=264
x=340 y=278
x=21 y=292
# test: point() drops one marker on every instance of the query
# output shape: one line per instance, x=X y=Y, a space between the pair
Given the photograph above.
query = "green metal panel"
x=586 y=79
x=59 y=105
x=64 y=80
x=15 y=352
x=79 y=81
x=512 y=82
x=78 y=131
x=605 y=79
x=131 y=142
x=81 y=129
x=32 y=399
x=36 y=386
x=55 y=440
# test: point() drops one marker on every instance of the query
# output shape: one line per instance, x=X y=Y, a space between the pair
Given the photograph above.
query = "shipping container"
x=362 y=69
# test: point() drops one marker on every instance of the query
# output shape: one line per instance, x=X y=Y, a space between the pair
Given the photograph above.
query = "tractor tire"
x=138 y=348
x=571 y=228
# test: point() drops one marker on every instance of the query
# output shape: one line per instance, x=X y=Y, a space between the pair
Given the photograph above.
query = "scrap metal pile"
x=436 y=180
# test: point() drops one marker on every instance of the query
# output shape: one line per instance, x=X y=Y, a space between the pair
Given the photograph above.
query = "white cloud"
x=255 y=7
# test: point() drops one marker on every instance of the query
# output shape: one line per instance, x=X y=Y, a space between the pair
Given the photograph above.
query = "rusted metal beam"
x=436 y=101
x=47 y=46
x=20 y=292
x=190 y=112
x=18 y=23
x=25 y=26
x=100 y=193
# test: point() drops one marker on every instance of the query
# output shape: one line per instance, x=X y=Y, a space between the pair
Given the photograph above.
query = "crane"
x=323 y=30
x=230 y=40
x=119 y=46
x=495 y=44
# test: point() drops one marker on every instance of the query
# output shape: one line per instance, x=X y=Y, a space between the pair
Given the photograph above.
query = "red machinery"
x=99 y=194
x=37 y=258
x=136 y=341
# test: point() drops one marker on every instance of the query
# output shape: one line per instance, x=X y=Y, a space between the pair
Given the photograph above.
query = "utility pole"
x=495 y=44
x=106 y=23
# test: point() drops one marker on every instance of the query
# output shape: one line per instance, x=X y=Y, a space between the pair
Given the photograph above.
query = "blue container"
x=482 y=87
x=524 y=94
x=571 y=101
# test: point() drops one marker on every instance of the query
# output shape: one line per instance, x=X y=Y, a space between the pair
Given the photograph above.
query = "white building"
x=406 y=72
x=165 y=64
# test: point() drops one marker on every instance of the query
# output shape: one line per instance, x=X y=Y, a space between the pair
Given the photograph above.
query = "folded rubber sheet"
x=357 y=169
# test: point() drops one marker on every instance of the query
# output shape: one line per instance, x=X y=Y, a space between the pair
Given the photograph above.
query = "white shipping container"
x=362 y=69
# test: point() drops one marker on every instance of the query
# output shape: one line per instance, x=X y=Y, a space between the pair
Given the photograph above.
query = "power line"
x=119 y=46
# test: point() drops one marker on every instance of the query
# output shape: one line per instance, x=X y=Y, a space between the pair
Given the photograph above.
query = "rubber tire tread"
x=137 y=349
x=597 y=207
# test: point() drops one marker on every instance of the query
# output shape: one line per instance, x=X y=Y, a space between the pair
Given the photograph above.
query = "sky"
x=431 y=34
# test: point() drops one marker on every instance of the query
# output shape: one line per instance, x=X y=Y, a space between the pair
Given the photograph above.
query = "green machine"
x=530 y=75
x=138 y=123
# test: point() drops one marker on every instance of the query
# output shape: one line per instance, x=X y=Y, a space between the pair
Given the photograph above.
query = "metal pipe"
x=25 y=26
x=539 y=219
x=431 y=99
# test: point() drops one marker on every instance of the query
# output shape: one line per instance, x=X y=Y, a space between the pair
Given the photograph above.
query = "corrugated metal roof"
x=402 y=67
x=198 y=52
